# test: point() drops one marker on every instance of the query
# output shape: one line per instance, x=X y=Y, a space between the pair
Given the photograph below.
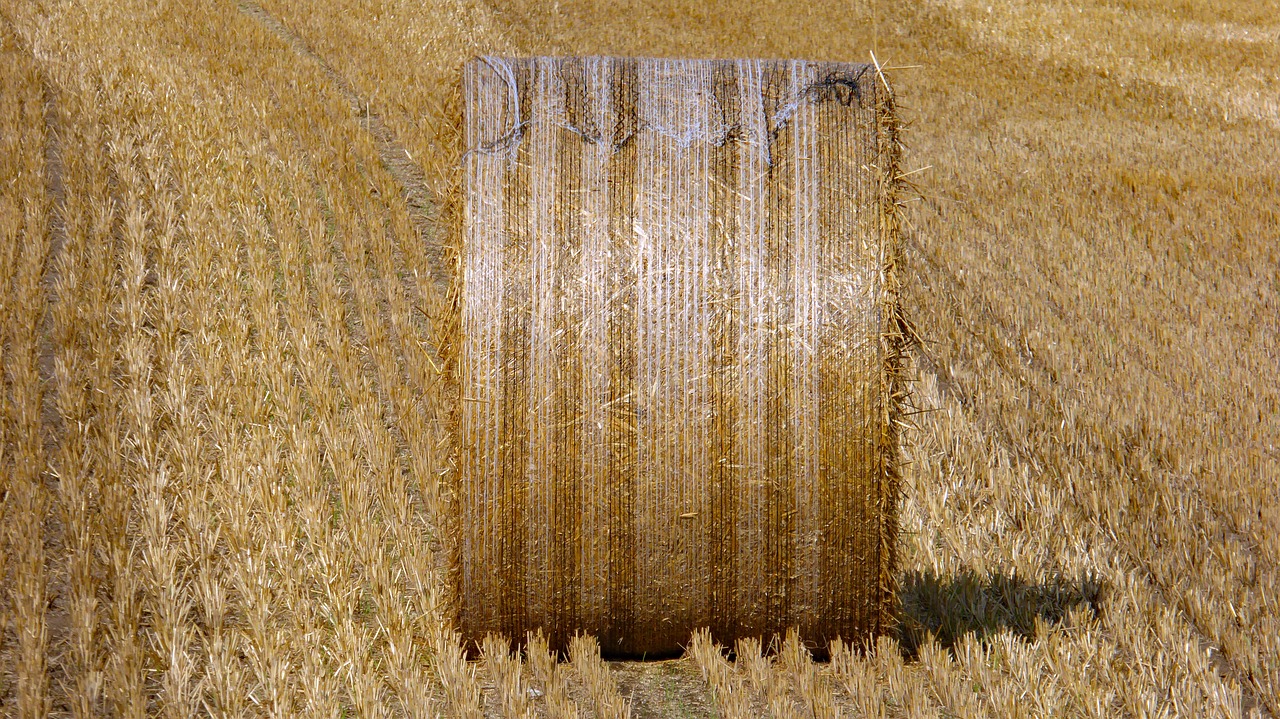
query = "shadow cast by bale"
x=949 y=608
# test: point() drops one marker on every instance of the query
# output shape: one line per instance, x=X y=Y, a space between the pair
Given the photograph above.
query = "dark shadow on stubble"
x=949 y=608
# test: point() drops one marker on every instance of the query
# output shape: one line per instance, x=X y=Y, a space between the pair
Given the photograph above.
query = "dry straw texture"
x=680 y=350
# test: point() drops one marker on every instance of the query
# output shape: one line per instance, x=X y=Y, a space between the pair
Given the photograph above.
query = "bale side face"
x=677 y=350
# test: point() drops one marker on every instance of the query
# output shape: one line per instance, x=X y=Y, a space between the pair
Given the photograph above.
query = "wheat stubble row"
x=24 y=497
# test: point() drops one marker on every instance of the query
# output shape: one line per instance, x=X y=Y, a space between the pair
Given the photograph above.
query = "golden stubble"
x=24 y=497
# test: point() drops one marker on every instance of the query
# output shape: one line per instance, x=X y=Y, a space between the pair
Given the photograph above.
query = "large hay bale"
x=679 y=350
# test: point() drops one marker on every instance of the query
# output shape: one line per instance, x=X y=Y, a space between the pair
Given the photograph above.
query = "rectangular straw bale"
x=679 y=350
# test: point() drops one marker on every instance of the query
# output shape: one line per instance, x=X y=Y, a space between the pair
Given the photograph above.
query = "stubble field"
x=224 y=434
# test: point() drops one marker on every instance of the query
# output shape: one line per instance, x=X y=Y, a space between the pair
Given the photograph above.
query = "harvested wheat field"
x=227 y=319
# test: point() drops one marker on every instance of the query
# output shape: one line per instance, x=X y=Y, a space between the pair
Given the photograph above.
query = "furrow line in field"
x=394 y=156
x=359 y=439
x=389 y=225
x=388 y=337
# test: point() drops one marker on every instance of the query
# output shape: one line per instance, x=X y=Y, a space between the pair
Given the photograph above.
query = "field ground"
x=222 y=307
